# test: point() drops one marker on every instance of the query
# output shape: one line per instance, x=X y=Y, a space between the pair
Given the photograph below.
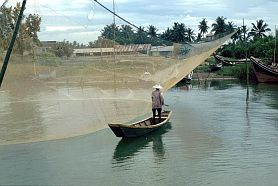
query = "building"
x=161 y=51
x=210 y=36
x=119 y=50
x=93 y=51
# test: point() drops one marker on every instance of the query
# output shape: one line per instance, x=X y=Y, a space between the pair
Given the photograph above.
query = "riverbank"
x=203 y=72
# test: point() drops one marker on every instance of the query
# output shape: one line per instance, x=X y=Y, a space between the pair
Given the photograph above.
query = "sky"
x=83 y=20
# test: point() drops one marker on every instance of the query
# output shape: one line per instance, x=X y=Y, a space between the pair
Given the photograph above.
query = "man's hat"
x=157 y=87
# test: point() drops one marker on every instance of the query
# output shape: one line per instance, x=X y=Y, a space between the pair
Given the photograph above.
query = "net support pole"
x=10 y=48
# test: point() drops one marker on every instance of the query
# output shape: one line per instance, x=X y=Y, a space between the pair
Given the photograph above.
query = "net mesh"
x=45 y=97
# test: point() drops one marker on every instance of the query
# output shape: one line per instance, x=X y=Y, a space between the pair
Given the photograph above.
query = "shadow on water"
x=128 y=148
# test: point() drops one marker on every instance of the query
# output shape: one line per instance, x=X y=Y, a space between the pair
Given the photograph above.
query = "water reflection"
x=128 y=148
x=221 y=85
x=182 y=86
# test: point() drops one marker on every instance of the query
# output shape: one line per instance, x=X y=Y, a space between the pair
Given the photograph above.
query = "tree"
x=141 y=36
x=126 y=34
x=63 y=49
x=27 y=35
x=219 y=26
x=189 y=35
x=230 y=27
x=178 y=32
x=259 y=29
x=108 y=31
x=33 y=22
x=203 y=27
x=241 y=34
x=167 y=35
x=152 y=31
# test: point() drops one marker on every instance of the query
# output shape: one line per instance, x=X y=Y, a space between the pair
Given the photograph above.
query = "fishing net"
x=45 y=96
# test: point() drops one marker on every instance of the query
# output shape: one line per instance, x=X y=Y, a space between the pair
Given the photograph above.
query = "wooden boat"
x=216 y=67
x=141 y=127
x=264 y=73
x=226 y=62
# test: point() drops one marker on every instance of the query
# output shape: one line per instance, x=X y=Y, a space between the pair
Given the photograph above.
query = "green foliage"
x=259 y=29
x=48 y=59
x=257 y=47
x=203 y=27
x=27 y=35
x=238 y=71
x=62 y=49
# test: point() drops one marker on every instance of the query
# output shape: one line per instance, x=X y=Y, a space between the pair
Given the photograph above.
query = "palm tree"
x=108 y=31
x=203 y=27
x=219 y=26
x=178 y=32
x=152 y=31
x=167 y=35
x=189 y=34
x=241 y=34
x=230 y=26
x=259 y=29
x=141 y=36
x=127 y=34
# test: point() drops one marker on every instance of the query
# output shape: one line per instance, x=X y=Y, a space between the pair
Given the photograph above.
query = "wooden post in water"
x=247 y=66
x=10 y=48
x=275 y=44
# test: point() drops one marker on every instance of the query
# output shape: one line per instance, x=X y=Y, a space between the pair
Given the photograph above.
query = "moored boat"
x=227 y=62
x=141 y=127
x=215 y=67
x=264 y=73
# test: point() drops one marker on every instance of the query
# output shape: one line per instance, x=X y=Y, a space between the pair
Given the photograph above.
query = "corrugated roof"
x=118 y=48
x=132 y=48
x=92 y=50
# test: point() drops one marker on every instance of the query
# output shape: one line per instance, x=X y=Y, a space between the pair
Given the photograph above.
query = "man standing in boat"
x=157 y=102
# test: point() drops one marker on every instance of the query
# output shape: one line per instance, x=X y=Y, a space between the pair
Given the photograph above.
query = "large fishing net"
x=46 y=97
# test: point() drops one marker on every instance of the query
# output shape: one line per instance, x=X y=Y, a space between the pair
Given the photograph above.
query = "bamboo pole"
x=10 y=48
x=274 y=57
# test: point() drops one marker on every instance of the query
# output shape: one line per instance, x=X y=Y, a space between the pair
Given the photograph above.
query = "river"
x=215 y=137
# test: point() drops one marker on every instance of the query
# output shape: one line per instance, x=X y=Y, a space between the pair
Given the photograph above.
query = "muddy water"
x=39 y=112
x=213 y=138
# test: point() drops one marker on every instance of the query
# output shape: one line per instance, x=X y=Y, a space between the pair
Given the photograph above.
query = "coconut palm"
x=152 y=31
x=141 y=36
x=230 y=27
x=189 y=34
x=167 y=35
x=203 y=27
x=126 y=34
x=241 y=34
x=219 y=26
x=178 y=32
x=259 y=29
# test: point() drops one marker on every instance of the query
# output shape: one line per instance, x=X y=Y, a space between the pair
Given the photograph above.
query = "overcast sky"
x=82 y=20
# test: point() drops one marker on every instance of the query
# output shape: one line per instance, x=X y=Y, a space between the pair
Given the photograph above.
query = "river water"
x=214 y=138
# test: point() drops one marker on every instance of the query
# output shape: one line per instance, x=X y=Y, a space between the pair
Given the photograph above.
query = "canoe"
x=141 y=127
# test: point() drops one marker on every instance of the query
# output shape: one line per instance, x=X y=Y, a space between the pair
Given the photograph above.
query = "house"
x=161 y=51
x=133 y=48
x=210 y=36
x=93 y=51
x=119 y=50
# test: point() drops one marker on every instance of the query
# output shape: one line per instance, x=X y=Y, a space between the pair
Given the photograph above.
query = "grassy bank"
x=236 y=71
